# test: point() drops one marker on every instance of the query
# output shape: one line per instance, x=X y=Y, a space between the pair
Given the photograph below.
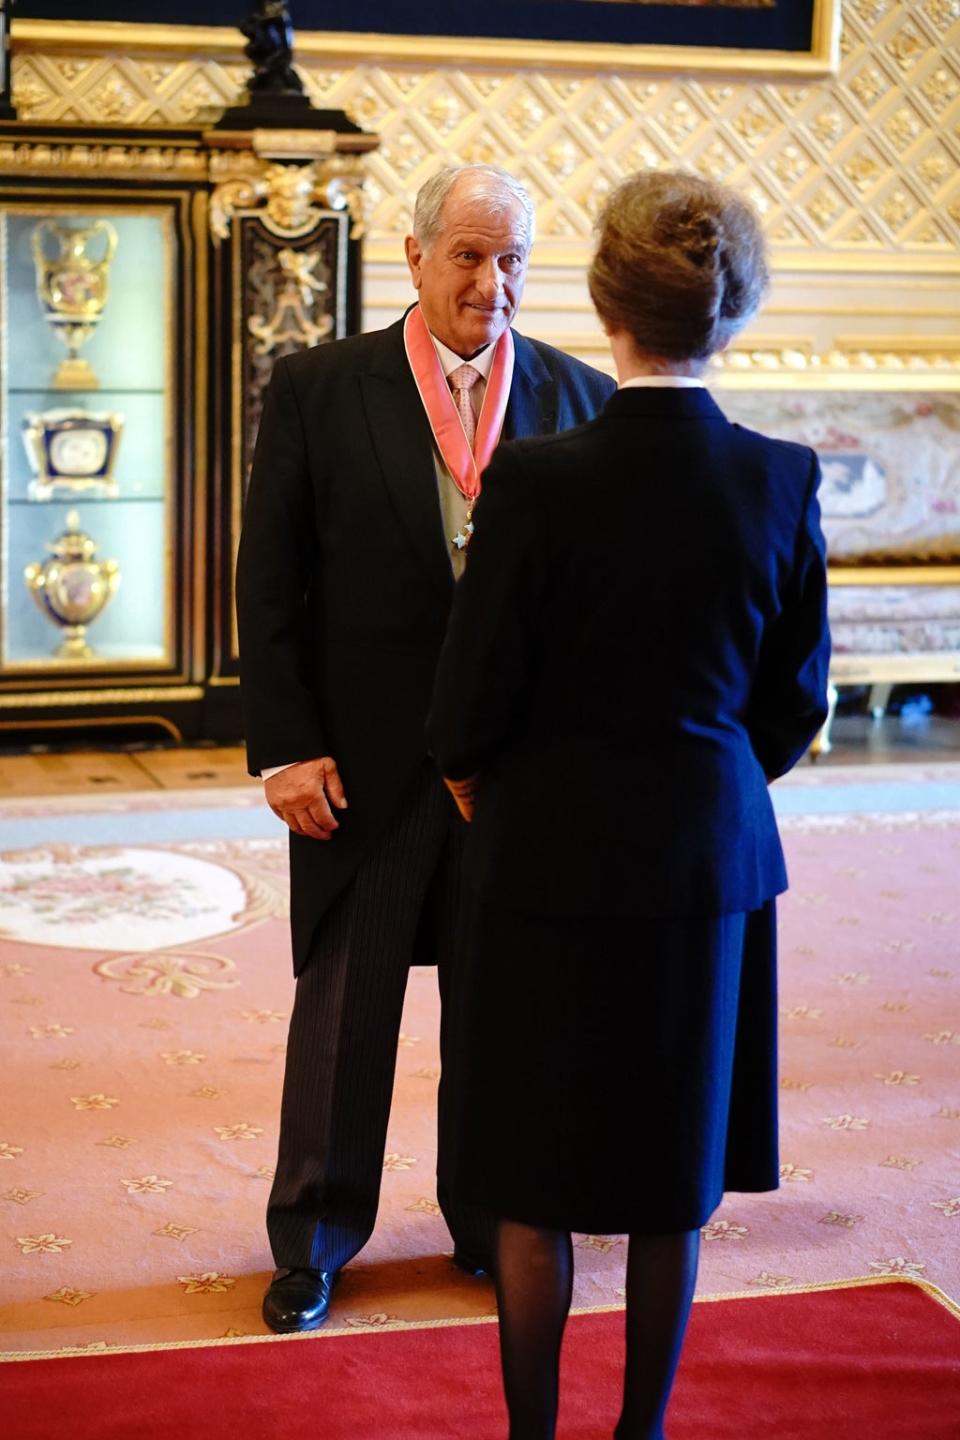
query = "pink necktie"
x=462 y=381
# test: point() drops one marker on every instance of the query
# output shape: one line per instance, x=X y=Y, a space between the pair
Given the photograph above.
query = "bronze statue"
x=269 y=49
x=275 y=98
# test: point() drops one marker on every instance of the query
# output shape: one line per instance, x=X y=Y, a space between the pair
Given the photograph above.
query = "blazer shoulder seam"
x=795 y=448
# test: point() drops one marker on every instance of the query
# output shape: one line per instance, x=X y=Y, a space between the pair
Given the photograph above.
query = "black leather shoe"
x=469 y=1264
x=298 y=1300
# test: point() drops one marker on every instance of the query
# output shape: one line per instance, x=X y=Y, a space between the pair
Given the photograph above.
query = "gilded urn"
x=72 y=287
x=72 y=587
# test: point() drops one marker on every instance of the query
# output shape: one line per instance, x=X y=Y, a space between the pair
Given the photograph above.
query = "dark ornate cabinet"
x=148 y=281
x=286 y=274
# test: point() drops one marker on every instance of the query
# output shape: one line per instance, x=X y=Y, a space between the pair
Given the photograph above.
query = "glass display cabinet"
x=102 y=466
x=87 y=295
x=148 y=281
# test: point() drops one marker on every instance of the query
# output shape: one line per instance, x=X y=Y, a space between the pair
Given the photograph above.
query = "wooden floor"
x=75 y=772
x=860 y=740
x=857 y=740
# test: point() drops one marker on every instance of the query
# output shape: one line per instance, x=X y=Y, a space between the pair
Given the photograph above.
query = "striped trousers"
x=405 y=900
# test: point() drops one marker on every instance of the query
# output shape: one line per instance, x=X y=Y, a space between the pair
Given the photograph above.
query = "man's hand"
x=302 y=796
x=464 y=793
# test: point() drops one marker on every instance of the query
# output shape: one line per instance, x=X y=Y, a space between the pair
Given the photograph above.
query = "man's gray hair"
x=496 y=187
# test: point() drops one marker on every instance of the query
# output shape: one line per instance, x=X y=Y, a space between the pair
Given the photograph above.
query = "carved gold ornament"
x=289 y=195
x=240 y=186
x=298 y=291
x=82 y=160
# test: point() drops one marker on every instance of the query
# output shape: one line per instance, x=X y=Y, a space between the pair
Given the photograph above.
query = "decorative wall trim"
x=35 y=158
x=821 y=59
x=857 y=175
x=863 y=165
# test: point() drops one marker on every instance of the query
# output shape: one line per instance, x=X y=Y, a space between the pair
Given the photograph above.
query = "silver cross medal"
x=462 y=537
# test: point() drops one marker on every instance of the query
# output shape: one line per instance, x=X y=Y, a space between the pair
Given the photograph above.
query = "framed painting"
x=782 y=38
x=890 y=503
x=890 y=493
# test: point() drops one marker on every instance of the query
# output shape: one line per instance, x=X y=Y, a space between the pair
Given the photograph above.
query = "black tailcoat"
x=344 y=580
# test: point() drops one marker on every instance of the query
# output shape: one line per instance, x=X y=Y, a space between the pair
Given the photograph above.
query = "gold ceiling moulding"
x=216 y=41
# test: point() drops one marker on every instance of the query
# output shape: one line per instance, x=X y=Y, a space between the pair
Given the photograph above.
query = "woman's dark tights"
x=661 y=1275
x=534 y=1286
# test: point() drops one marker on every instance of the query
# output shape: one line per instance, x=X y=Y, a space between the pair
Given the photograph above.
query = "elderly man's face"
x=471 y=281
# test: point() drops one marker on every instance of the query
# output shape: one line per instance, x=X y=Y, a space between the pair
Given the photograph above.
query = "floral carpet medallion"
x=115 y=897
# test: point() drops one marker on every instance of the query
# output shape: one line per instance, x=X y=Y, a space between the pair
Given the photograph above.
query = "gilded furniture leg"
x=821 y=741
x=879 y=699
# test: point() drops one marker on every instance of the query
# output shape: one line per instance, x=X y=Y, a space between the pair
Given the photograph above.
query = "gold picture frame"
x=819 y=59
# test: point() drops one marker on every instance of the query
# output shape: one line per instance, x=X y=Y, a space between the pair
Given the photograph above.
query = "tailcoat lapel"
x=403 y=443
x=533 y=403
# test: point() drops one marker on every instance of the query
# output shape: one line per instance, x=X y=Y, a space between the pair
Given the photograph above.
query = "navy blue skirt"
x=611 y=1076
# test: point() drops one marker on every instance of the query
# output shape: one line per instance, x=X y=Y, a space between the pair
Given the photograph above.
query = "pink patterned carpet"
x=144 y=992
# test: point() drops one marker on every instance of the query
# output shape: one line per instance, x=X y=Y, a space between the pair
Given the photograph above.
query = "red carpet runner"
x=866 y=1362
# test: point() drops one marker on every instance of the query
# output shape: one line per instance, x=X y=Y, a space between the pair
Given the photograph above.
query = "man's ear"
x=414 y=253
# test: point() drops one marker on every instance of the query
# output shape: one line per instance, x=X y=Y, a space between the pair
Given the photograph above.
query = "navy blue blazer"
x=344 y=581
x=639 y=642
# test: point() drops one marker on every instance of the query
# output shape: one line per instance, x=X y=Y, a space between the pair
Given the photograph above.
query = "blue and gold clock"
x=72 y=451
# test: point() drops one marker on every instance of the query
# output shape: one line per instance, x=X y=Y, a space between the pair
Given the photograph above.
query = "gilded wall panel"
x=868 y=160
x=857 y=174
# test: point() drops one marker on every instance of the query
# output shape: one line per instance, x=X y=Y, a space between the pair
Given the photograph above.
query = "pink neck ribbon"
x=464 y=465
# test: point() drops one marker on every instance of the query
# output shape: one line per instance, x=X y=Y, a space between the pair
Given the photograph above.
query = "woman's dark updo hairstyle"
x=680 y=264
